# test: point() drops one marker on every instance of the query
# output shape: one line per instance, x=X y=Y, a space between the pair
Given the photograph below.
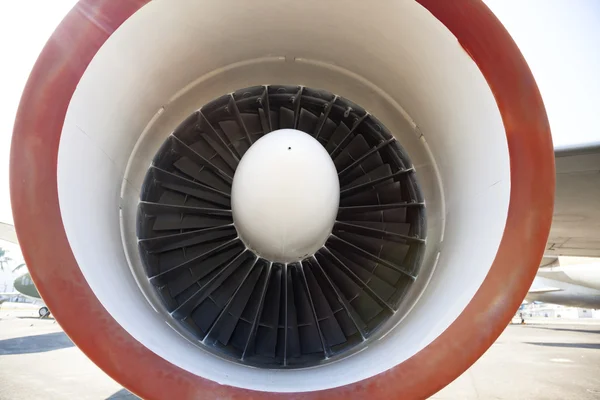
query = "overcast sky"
x=559 y=38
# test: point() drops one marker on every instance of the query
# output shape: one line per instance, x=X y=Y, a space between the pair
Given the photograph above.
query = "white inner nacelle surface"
x=285 y=196
x=392 y=58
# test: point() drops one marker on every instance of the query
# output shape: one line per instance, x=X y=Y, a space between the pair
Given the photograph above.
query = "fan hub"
x=285 y=196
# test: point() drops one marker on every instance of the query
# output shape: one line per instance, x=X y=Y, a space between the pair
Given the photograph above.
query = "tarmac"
x=541 y=360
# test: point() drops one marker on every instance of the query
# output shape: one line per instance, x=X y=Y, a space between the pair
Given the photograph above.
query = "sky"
x=25 y=25
x=560 y=40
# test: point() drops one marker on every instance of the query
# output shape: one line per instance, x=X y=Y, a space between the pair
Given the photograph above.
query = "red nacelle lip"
x=53 y=267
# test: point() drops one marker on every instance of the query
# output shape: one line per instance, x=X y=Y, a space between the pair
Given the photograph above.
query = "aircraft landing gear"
x=44 y=312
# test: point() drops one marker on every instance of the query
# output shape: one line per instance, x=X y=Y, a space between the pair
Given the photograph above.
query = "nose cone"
x=285 y=196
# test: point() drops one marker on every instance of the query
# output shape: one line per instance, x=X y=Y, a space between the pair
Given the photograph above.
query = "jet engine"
x=263 y=199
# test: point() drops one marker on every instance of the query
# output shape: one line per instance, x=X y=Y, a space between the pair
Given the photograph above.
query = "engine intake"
x=127 y=222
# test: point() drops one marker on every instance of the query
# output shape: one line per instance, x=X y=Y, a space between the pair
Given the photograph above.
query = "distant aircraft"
x=573 y=282
x=24 y=285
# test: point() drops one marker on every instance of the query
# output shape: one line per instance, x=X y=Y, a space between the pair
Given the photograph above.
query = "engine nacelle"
x=127 y=141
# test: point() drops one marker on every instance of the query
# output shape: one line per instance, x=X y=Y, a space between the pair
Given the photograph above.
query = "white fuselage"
x=572 y=285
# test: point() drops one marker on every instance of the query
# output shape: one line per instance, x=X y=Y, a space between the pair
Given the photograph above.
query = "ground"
x=544 y=359
x=38 y=361
x=540 y=360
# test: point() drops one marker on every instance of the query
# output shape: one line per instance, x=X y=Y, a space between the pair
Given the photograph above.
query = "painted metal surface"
x=53 y=267
x=24 y=285
x=560 y=291
x=7 y=232
x=576 y=221
x=263 y=222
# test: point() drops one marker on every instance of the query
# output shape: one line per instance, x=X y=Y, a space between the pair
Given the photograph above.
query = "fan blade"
x=395 y=228
x=307 y=121
x=364 y=167
x=331 y=330
x=201 y=192
x=201 y=174
x=205 y=148
x=366 y=272
x=308 y=330
x=390 y=254
x=235 y=135
x=177 y=241
x=286 y=118
x=225 y=327
x=209 y=313
x=243 y=329
x=356 y=148
x=380 y=194
x=352 y=288
x=266 y=336
x=336 y=138
x=190 y=303
x=379 y=172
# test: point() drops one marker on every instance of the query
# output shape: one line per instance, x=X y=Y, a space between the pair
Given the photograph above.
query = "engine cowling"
x=128 y=140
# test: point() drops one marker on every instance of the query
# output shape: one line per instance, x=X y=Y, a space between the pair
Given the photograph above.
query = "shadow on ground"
x=563 y=329
x=35 y=344
x=122 y=394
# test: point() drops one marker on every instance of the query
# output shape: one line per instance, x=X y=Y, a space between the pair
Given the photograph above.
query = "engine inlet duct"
x=266 y=309
x=232 y=199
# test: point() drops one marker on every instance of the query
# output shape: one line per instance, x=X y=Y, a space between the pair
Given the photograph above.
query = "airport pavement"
x=38 y=361
x=542 y=360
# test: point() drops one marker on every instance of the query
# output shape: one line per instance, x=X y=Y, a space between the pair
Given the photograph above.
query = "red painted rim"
x=34 y=197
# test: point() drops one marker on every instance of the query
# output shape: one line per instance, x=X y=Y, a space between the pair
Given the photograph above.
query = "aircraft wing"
x=576 y=223
x=7 y=232
x=544 y=290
